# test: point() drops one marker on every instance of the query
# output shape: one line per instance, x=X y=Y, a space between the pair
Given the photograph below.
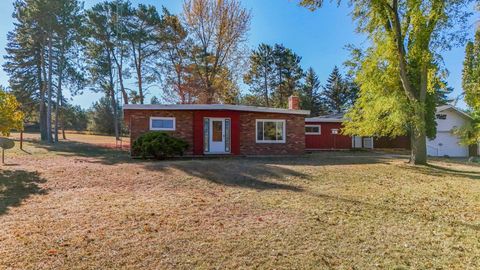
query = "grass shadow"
x=16 y=186
x=232 y=172
x=436 y=170
x=25 y=151
x=104 y=155
x=450 y=170
x=260 y=173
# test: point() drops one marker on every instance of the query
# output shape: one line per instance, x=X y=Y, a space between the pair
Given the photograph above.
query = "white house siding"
x=445 y=143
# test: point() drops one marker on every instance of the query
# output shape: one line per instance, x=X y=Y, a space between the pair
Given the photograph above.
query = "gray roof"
x=204 y=107
x=332 y=118
x=447 y=107
x=339 y=117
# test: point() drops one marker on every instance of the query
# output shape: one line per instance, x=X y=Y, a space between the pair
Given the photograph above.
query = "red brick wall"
x=295 y=137
x=234 y=130
x=186 y=126
x=139 y=123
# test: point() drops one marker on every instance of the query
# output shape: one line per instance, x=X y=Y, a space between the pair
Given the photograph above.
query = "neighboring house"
x=446 y=143
x=224 y=129
x=324 y=133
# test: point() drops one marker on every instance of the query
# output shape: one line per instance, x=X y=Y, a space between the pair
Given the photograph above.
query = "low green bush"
x=159 y=145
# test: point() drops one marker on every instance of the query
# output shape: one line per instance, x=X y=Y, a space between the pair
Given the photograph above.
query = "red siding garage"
x=329 y=136
x=324 y=133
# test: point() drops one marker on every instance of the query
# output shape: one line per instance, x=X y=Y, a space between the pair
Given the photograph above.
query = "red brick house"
x=324 y=133
x=224 y=129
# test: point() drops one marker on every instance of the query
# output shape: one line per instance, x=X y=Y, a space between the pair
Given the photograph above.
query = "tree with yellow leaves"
x=10 y=115
x=400 y=73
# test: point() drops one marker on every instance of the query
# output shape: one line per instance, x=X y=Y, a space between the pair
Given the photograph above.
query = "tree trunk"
x=139 y=75
x=418 y=155
x=59 y=98
x=21 y=139
x=265 y=85
x=122 y=87
x=115 y=113
x=49 y=95
x=119 y=65
x=43 y=118
x=111 y=93
x=41 y=73
x=210 y=94
x=419 y=136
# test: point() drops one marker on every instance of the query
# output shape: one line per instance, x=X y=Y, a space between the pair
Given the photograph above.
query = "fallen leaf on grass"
x=52 y=252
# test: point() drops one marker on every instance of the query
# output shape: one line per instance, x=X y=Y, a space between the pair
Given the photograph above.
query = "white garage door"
x=445 y=144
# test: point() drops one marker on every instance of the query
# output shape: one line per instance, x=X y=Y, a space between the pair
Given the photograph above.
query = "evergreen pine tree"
x=260 y=77
x=334 y=94
x=310 y=96
x=288 y=75
x=39 y=56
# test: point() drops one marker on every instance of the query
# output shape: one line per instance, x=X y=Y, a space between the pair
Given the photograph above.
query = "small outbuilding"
x=446 y=143
x=220 y=129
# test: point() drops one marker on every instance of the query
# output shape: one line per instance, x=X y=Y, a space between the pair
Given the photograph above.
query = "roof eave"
x=325 y=120
x=214 y=107
x=455 y=109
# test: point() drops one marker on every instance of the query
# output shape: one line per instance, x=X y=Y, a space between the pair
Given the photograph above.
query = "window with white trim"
x=270 y=131
x=162 y=123
x=313 y=129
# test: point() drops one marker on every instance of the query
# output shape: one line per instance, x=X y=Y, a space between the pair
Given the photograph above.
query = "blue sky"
x=318 y=37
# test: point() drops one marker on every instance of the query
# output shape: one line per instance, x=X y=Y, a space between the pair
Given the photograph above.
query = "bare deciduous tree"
x=219 y=29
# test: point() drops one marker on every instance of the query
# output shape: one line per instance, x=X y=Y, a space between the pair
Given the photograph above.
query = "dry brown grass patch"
x=99 y=209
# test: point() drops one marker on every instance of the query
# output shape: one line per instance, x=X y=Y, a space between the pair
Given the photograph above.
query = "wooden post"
x=21 y=140
x=3 y=156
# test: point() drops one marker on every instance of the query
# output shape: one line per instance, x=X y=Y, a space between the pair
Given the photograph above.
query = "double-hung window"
x=313 y=129
x=162 y=123
x=270 y=131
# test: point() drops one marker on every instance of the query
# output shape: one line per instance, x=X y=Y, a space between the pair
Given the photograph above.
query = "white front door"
x=217 y=135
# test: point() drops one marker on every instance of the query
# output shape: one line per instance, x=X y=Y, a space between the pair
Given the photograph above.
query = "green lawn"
x=79 y=206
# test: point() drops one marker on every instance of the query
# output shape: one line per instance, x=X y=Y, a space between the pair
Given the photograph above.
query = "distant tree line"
x=98 y=119
x=275 y=73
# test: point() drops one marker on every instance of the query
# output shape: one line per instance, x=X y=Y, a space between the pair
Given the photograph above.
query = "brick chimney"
x=293 y=103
